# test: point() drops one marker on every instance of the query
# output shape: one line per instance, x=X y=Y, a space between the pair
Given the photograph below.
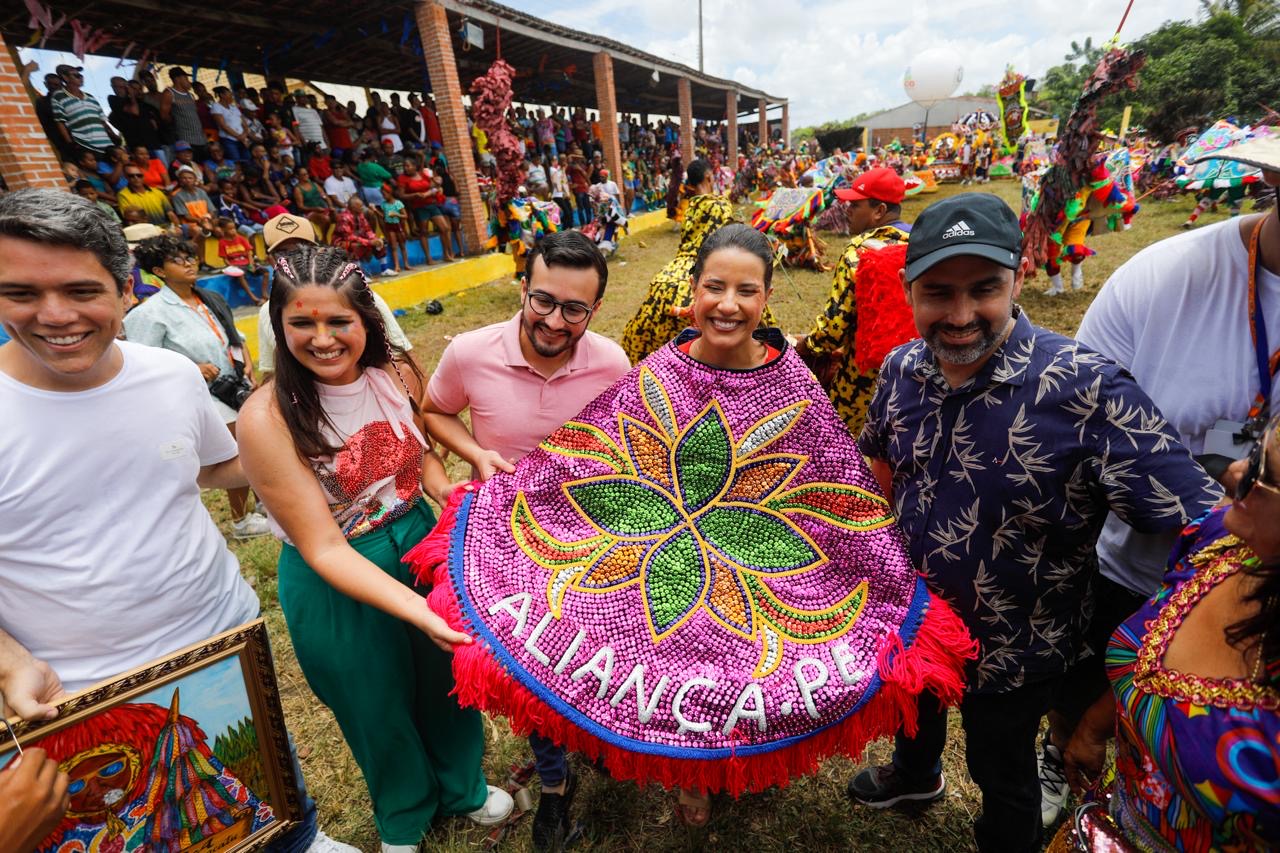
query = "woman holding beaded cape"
x=697 y=579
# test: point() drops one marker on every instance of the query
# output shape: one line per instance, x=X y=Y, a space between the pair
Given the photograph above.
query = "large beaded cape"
x=696 y=578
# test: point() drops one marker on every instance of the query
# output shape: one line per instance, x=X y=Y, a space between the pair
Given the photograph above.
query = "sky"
x=832 y=59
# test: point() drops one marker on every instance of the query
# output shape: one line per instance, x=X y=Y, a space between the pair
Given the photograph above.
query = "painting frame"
x=247 y=643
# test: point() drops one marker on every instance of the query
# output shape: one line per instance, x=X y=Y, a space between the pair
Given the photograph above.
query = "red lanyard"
x=1268 y=366
x=218 y=333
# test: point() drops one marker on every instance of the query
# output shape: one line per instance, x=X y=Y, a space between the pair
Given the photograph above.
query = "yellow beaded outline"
x=1213 y=565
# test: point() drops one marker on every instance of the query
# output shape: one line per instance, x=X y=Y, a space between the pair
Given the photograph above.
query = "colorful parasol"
x=1203 y=171
x=696 y=579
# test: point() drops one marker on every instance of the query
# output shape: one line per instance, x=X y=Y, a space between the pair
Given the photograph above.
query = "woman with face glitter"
x=336 y=444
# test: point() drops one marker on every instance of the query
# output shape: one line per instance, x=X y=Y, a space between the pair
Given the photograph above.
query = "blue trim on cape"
x=910 y=625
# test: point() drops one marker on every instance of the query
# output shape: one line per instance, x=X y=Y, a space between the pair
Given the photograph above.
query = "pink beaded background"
x=582 y=542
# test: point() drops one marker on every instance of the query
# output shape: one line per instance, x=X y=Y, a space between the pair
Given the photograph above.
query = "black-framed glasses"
x=1255 y=470
x=182 y=260
x=544 y=305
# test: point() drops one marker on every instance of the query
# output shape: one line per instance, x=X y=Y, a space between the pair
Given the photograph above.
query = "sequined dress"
x=1197 y=759
x=376 y=475
x=657 y=321
x=668 y=577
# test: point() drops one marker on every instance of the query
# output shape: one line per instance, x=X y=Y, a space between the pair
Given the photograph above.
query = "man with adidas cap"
x=1003 y=446
x=874 y=210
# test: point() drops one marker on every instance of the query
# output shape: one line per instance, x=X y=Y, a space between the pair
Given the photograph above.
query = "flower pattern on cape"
x=699 y=519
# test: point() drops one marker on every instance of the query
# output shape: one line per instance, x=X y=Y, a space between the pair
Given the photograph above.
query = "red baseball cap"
x=878 y=184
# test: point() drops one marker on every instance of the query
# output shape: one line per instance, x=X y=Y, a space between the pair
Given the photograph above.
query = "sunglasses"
x=1255 y=470
x=133 y=174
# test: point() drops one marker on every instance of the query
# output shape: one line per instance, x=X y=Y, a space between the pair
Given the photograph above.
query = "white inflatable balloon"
x=933 y=76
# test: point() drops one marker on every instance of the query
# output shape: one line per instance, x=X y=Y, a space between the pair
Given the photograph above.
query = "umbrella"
x=1203 y=171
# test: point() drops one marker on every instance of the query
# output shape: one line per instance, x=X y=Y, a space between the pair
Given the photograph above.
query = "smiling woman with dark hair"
x=665 y=309
x=335 y=445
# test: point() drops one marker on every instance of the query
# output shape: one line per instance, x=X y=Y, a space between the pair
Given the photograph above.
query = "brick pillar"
x=607 y=103
x=786 y=125
x=763 y=129
x=731 y=116
x=433 y=29
x=685 y=91
x=26 y=156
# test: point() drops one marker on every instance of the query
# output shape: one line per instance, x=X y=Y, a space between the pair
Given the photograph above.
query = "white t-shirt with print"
x=108 y=558
x=1176 y=315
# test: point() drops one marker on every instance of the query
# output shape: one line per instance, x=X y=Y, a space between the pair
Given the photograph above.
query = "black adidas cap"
x=967 y=224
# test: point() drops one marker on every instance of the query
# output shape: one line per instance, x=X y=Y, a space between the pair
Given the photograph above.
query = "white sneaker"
x=250 y=527
x=399 y=848
x=496 y=808
x=1077 y=277
x=324 y=844
x=388 y=272
x=1054 y=790
x=1055 y=285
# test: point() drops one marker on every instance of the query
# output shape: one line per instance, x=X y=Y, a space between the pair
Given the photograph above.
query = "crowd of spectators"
x=563 y=155
x=212 y=165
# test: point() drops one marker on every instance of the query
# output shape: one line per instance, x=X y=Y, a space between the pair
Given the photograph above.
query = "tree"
x=1198 y=73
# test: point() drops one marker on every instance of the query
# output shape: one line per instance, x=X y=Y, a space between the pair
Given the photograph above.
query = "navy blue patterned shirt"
x=1002 y=485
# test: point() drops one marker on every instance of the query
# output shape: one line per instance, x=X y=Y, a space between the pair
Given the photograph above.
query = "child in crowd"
x=283 y=139
x=225 y=199
x=87 y=190
x=237 y=253
x=392 y=212
x=133 y=215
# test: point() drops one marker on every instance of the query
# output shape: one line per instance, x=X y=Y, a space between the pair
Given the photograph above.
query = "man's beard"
x=546 y=351
x=987 y=341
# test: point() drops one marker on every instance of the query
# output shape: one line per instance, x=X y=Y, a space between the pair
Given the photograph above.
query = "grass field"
x=810 y=815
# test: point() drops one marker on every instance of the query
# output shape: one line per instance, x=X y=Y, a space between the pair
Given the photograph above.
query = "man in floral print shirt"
x=1003 y=446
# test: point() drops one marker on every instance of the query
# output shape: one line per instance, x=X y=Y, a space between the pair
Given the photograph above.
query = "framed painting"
x=188 y=753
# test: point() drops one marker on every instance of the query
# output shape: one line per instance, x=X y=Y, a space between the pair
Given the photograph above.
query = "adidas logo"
x=960 y=229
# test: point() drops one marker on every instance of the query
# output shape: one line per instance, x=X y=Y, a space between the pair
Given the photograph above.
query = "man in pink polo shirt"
x=522 y=379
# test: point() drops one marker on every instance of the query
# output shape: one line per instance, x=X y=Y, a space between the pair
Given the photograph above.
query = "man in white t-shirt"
x=1177 y=316
x=108 y=557
x=339 y=186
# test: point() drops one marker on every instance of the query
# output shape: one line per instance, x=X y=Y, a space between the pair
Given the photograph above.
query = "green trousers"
x=388 y=686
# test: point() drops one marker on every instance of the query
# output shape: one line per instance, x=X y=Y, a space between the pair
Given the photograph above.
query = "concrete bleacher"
x=230 y=290
x=431 y=282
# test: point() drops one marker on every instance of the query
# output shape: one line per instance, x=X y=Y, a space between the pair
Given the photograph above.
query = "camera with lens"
x=232 y=390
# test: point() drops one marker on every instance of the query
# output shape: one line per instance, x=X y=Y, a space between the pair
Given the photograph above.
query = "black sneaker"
x=551 y=820
x=882 y=787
